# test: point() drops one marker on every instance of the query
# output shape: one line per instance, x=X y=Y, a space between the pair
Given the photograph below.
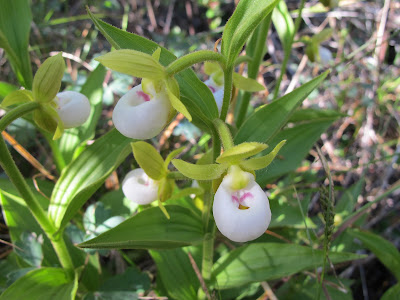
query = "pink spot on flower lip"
x=211 y=88
x=242 y=198
x=246 y=195
x=143 y=95
x=235 y=199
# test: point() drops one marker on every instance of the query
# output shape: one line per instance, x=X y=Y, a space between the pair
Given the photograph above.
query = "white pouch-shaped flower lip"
x=139 y=188
x=246 y=224
x=137 y=115
x=73 y=108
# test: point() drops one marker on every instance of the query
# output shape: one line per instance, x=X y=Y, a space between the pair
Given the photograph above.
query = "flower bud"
x=141 y=115
x=139 y=188
x=217 y=91
x=73 y=108
x=241 y=215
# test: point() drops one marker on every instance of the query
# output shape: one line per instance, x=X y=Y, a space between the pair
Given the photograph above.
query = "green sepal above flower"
x=47 y=80
x=134 y=63
x=17 y=97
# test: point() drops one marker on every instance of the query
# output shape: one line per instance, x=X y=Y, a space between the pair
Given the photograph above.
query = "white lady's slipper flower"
x=141 y=115
x=73 y=108
x=241 y=214
x=217 y=91
x=139 y=188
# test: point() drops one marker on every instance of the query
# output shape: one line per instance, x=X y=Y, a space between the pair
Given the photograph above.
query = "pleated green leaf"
x=300 y=140
x=15 y=25
x=85 y=175
x=44 y=283
x=268 y=261
x=184 y=284
x=150 y=229
x=265 y=123
x=393 y=293
x=386 y=252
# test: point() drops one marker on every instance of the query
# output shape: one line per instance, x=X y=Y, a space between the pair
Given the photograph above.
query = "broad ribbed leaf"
x=393 y=293
x=5 y=89
x=383 y=249
x=184 y=283
x=190 y=86
x=44 y=283
x=15 y=25
x=150 y=229
x=268 y=261
x=248 y=14
x=262 y=125
x=86 y=174
x=300 y=140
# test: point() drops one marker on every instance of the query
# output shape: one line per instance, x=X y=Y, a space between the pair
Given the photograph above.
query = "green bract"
x=134 y=63
x=47 y=80
x=149 y=160
x=17 y=97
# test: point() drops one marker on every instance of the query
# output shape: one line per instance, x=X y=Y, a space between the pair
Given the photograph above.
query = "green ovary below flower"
x=241 y=214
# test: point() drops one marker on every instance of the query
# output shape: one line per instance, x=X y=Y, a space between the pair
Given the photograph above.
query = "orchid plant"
x=231 y=194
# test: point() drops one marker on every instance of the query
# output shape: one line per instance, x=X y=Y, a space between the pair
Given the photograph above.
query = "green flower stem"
x=58 y=158
x=12 y=171
x=254 y=66
x=288 y=49
x=228 y=84
x=16 y=113
x=224 y=133
x=242 y=59
x=190 y=59
x=8 y=165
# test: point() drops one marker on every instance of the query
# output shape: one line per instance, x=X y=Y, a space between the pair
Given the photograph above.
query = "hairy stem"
x=12 y=171
x=228 y=85
x=16 y=113
x=224 y=133
x=190 y=59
